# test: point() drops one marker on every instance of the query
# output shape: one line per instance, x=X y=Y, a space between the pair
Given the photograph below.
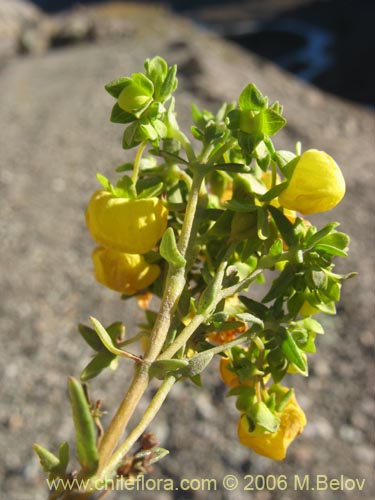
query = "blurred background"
x=330 y=43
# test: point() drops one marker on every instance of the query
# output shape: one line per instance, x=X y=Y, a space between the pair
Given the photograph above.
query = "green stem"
x=186 y=144
x=142 y=425
x=137 y=161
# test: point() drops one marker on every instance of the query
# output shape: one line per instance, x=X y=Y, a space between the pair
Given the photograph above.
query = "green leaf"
x=115 y=87
x=277 y=248
x=148 y=131
x=125 y=167
x=106 y=339
x=262 y=224
x=101 y=361
x=241 y=206
x=282 y=158
x=273 y=192
x=90 y=336
x=252 y=99
x=292 y=352
x=248 y=142
x=169 y=85
x=280 y=284
x=232 y=167
x=196 y=364
x=63 y=456
x=272 y=122
x=105 y=182
x=169 y=251
x=260 y=310
x=156 y=71
x=118 y=115
x=336 y=239
x=249 y=318
x=48 y=460
x=125 y=188
x=312 y=325
x=284 y=400
x=160 y=368
x=331 y=250
x=312 y=240
x=151 y=191
x=87 y=451
x=284 y=226
x=263 y=417
x=131 y=136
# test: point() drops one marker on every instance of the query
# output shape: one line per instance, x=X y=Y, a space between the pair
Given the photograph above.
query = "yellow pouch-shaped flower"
x=127 y=225
x=274 y=445
x=123 y=272
x=317 y=184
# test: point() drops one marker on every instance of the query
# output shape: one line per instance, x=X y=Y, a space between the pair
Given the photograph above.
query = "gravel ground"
x=55 y=136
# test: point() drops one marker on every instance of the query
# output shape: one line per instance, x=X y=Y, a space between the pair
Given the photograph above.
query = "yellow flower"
x=123 y=272
x=274 y=444
x=131 y=226
x=317 y=184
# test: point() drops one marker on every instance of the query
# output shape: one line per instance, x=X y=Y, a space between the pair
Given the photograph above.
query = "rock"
x=16 y=16
x=55 y=136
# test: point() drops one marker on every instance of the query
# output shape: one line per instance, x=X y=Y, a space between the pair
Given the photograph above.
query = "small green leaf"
x=272 y=122
x=249 y=318
x=90 y=336
x=196 y=364
x=232 y=167
x=282 y=158
x=280 y=284
x=284 y=226
x=169 y=251
x=115 y=87
x=330 y=250
x=118 y=115
x=63 y=456
x=313 y=326
x=131 y=136
x=48 y=460
x=262 y=224
x=160 y=368
x=273 y=192
x=241 y=206
x=108 y=341
x=318 y=236
x=87 y=451
x=125 y=188
x=105 y=182
x=252 y=99
x=151 y=191
x=169 y=85
x=263 y=417
x=101 y=361
x=292 y=352
x=284 y=400
x=156 y=71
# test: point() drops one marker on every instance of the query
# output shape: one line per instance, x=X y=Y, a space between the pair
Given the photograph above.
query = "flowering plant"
x=198 y=231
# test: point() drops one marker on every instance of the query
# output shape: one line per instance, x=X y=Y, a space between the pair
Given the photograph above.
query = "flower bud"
x=123 y=272
x=316 y=185
x=274 y=444
x=137 y=94
x=127 y=225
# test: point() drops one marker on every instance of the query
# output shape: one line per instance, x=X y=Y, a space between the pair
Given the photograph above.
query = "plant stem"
x=142 y=425
x=137 y=161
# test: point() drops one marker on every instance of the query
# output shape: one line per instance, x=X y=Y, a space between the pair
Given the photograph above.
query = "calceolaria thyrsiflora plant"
x=197 y=227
